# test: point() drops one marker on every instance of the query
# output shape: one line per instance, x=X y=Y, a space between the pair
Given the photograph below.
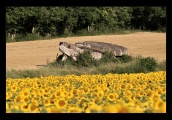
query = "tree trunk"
x=88 y=28
x=12 y=37
x=33 y=29
x=9 y=35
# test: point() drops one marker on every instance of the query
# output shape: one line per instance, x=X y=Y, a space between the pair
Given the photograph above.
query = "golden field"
x=110 y=93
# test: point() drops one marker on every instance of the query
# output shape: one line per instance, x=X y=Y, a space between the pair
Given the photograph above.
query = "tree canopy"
x=63 y=20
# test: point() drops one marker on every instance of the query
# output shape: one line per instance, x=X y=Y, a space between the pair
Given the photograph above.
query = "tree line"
x=56 y=21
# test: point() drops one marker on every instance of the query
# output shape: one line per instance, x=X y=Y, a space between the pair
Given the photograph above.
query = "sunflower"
x=59 y=93
x=96 y=89
x=35 y=102
x=70 y=95
x=158 y=105
x=65 y=93
x=46 y=102
x=112 y=96
x=75 y=92
x=86 y=90
x=111 y=83
x=51 y=89
x=14 y=88
x=100 y=94
x=116 y=86
x=149 y=93
x=7 y=106
x=61 y=103
x=41 y=91
x=37 y=96
x=45 y=96
x=71 y=88
x=138 y=109
x=25 y=100
x=7 y=96
x=25 y=93
x=156 y=97
x=14 y=107
x=104 y=85
x=131 y=103
x=164 y=90
x=144 y=104
x=97 y=100
x=35 y=86
x=110 y=109
x=82 y=101
x=8 y=111
x=93 y=94
x=130 y=86
x=105 y=89
x=8 y=82
x=18 y=99
x=142 y=93
x=95 y=108
x=52 y=101
x=46 y=91
x=127 y=93
x=162 y=107
x=123 y=108
x=32 y=107
x=159 y=91
x=24 y=107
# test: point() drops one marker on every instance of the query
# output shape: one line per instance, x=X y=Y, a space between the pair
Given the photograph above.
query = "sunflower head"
x=14 y=88
x=32 y=107
x=47 y=102
x=61 y=103
x=24 y=107
x=17 y=99
x=100 y=94
x=25 y=93
x=25 y=100
x=59 y=93
x=112 y=96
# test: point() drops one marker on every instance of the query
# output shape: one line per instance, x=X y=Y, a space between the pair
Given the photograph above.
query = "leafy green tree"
x=124 y=15
x=57 y=21
x=149 y=18
x=156 y=18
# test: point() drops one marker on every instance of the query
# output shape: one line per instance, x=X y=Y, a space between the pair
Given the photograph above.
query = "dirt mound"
x=35 y=54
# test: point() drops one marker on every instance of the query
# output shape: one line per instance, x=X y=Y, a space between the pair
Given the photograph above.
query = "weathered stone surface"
x=69 y=50
x=102 y=47
x=96 y=49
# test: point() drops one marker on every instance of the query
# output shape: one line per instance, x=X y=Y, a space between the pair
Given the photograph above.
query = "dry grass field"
x=34 y=54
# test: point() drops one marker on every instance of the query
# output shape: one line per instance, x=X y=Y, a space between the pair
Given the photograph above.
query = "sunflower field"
x=110 y=93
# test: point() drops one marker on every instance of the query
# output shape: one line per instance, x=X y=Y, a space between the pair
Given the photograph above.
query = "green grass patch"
x=124 y=64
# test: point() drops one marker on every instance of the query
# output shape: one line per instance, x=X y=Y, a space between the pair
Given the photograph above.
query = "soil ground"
x=35 y=54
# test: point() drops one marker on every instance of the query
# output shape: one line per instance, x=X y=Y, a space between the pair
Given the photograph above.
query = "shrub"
x=68 y=61
x=108 y=56
x=125 y=58
x=85 y=60
x=32 y=36
x=148 y=64
x=82 y=32
x=162 y=65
